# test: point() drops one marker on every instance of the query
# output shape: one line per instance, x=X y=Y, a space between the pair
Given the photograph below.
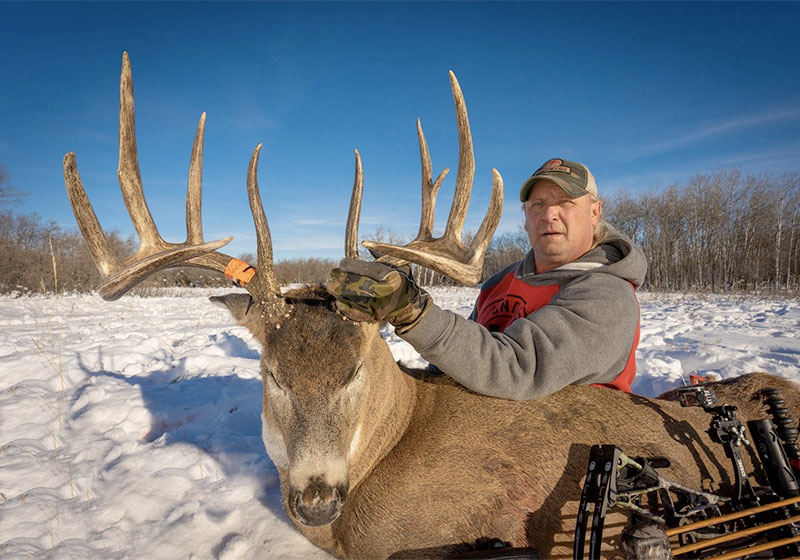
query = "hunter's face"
x=560 y=228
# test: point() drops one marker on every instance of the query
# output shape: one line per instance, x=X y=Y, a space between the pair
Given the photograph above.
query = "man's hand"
x=370 y=291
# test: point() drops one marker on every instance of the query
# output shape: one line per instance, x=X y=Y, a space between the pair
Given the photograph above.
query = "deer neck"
x=387 y=412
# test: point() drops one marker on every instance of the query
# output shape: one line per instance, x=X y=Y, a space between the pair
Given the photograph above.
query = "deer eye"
x=272 y=382
x=355 y=382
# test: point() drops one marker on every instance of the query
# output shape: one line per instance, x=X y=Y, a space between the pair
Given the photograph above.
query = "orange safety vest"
x=511 y=299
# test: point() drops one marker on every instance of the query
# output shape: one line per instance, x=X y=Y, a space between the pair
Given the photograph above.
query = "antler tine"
x=194 y=195
x=447 y=254
x=351 y=231
x=430 y=188
x=264 y=285
x=88 y=223
x=130 y=179
x=466 y=167
x=491 y=220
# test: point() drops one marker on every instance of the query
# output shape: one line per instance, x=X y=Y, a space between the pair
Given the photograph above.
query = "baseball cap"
x=575 y=178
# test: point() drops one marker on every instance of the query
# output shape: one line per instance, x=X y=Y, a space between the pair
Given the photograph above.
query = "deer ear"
x=237 y=304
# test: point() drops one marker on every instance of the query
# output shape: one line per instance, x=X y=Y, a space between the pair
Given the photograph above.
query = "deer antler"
x=154 y=253
x=446 y=254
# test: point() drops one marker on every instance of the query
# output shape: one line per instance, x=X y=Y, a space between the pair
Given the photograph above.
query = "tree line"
x=721 y=232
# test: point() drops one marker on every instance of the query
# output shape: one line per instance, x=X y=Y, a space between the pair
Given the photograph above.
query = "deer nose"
x=319 y=503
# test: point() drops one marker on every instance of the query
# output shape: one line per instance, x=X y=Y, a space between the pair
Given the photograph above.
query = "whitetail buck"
x=377 y=461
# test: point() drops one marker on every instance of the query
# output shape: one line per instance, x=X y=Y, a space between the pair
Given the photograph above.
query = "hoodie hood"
x=617 y=255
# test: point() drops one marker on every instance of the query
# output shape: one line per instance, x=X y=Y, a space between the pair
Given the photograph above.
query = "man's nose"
x=550 y=213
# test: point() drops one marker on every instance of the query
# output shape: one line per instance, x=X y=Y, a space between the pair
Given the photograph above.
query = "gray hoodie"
x=584 y=331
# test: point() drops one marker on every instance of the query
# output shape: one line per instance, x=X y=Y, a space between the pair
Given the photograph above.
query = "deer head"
x=334 y=401
x=316 y=393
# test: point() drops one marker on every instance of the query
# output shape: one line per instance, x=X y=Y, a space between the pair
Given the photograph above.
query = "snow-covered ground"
x=131 y=429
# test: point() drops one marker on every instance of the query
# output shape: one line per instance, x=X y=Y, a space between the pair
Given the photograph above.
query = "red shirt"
x=511 y=299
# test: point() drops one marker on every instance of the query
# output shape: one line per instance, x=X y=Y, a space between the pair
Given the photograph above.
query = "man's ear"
x=597 y=211
x=237 y=304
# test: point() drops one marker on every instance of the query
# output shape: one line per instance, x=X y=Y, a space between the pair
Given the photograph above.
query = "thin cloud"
x=284 y=243
x=331 y=222
x=310 y=243
x=742 y=122
x=779 y=160
x=322 y=222
x=371 y=220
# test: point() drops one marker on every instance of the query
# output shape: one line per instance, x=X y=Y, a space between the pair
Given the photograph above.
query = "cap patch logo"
x=553 y=165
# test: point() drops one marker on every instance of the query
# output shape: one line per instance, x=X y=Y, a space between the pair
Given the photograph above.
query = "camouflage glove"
x=370 y=291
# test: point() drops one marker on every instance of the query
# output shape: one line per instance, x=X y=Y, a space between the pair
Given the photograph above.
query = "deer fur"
x=418 y=466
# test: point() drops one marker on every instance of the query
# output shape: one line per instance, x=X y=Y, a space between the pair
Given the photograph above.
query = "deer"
x=377 y=460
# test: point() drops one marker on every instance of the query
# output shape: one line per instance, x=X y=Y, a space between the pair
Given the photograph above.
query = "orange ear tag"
x=697 y=379
x=240 y=272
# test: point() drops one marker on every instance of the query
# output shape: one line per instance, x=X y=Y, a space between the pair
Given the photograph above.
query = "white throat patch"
x=354 y=444
x=274 y=444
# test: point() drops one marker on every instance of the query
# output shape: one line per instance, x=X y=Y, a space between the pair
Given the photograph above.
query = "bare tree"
x=9 y=196
x=504 y=250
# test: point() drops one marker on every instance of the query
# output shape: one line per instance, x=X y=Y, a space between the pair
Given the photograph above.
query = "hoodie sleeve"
x=583 y=336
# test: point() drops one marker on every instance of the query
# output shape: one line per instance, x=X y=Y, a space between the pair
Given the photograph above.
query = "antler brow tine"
x=194 y=196
x=351 y=230
x=265 y=281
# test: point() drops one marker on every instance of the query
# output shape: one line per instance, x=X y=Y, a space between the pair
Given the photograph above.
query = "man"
x=565 y=314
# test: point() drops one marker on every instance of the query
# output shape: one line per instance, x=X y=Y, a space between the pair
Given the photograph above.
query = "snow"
x=131 y=429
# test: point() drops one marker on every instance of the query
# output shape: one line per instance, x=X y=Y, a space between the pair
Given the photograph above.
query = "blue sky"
x=645 y=94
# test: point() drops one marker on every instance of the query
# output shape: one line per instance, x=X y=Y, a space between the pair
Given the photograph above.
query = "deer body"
x=433 y=466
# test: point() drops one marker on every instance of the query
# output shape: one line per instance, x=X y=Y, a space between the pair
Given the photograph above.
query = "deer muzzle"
x=318 y=503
